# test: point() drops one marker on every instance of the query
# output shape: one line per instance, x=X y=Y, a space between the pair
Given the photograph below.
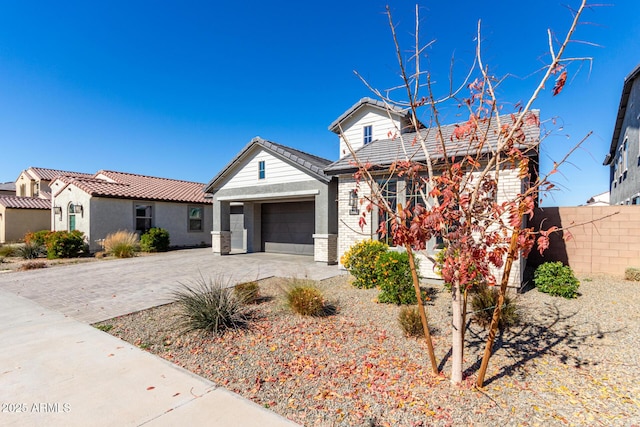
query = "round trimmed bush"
x=155 y=240
x=394 y=278
x=557 y=279
x=360 y=261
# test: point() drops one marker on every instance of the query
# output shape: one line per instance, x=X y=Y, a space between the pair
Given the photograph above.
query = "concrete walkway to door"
x=101 y=290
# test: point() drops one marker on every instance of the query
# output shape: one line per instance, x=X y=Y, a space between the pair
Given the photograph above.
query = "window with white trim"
x=367 y=132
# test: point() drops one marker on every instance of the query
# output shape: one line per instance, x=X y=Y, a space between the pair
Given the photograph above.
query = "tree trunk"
x=457 y=337
x=511 y=255
x=421 y=310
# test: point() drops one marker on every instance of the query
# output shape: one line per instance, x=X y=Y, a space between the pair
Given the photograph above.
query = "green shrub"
x=556 y=279
x=155 y=240
x=30 y=250
x=484 y=300
x=121 y=244
x=394 y=278
x=210 y=306
x=248 y=292
x=360 y=261
x=304 y=298
x=65 y=244
x=410 y=322
x=7 y=251
x=632 y=273
x=37 y=238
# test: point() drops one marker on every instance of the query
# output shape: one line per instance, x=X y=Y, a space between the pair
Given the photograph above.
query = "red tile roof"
x=132 y=186
x=49 y=174
x=13 y=202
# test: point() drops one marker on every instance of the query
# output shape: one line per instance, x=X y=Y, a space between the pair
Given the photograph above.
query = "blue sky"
x=176 y=89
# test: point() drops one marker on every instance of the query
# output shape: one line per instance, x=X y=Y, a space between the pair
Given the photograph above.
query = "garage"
x=288 y=227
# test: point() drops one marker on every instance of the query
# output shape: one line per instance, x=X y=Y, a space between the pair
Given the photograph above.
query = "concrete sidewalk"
x=56 y=371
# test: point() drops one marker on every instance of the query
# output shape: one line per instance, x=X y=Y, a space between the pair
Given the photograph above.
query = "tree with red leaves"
x=458 y=195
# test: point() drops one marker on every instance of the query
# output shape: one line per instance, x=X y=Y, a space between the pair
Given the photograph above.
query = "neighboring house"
x=272 y=198
x=623 y=158
x=32 y=211
x=21 y=215
x=601 y=199
x=35 y=182
x=7 y=189
x=110 y=201
x=381 y=153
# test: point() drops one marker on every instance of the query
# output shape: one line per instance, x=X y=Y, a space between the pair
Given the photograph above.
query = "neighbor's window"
x=368 y=134
x=195 y=218
x=261 y=170
x=144 y=218
x=72 y=217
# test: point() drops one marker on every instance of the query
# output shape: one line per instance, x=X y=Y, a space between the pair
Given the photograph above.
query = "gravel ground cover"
x=569 y=362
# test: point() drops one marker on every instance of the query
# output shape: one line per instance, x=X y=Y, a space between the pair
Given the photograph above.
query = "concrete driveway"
x=59 y=371
x=96 y=291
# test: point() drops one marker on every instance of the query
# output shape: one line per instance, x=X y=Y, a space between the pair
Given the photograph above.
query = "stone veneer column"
x=221 y=234
x=221 y=242
x=325 y=248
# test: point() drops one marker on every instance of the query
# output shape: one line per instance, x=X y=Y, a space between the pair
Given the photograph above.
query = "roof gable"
x=309 y=163
x=366 y=103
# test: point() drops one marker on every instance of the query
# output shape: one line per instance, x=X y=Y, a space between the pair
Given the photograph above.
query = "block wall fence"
x=604 y=239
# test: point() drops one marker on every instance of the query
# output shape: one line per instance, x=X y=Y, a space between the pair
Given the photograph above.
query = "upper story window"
x=368 y=134
x=261 y=170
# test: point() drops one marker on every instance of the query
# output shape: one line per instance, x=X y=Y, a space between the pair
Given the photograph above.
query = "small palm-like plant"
x=210 y=306
x=30 y=250
x=121 y=244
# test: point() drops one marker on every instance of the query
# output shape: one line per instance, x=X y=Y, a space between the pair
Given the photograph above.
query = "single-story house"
x=21 y=215
x=110 y=201
x=272 y=198
x=266 y=198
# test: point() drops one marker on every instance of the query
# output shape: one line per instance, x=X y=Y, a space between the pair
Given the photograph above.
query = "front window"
x=144 y=218
x=261 y=170
x=368 y=134
x=195 y=218
x=389 y=190
x=72 y=217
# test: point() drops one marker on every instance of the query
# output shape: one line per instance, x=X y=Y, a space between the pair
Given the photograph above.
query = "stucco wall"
x=15 y=223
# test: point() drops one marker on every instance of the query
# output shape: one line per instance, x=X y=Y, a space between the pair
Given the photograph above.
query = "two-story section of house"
x=623 y=158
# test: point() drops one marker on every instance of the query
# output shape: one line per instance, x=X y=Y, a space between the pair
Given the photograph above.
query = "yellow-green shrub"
x=360 y=261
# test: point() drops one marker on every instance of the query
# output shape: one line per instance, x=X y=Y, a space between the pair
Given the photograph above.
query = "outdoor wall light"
x=78 y=209
x=57 y=210
x=353 y=202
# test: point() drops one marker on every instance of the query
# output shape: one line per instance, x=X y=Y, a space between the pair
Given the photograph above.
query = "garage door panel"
x=288 y=227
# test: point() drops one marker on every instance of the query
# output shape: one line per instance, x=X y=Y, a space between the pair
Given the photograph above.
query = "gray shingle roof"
x=8 y=186
x=333 y=127
x=382 y=153
x=312 y=164
x=13 y=202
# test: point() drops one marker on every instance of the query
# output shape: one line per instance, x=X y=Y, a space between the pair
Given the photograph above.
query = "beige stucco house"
x=110 y=201
x=21 y=215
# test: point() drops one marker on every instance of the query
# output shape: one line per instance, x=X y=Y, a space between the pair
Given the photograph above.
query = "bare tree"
x=457 y=175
